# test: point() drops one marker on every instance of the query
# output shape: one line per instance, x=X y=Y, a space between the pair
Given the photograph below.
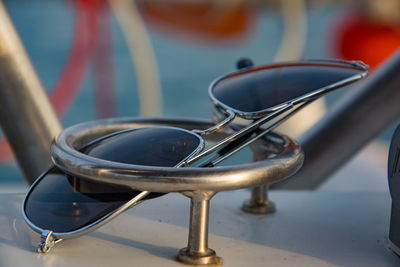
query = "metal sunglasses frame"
x=315 y=93
x=263 y=116
x=49 y=238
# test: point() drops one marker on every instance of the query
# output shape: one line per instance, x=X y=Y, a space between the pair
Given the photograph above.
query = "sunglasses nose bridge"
x=230 y=116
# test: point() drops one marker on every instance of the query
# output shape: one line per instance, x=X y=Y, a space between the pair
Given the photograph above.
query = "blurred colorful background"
x=101 y=59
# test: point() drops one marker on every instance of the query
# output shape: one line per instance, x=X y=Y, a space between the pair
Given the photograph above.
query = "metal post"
x=197 y=251
x=259 y=202
x=198 y=231
x=26 y=115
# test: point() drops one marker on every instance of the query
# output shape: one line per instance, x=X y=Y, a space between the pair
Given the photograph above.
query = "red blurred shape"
x=361 y=38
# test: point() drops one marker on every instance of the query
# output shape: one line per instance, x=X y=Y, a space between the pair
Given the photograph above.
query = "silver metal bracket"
x=47 y=241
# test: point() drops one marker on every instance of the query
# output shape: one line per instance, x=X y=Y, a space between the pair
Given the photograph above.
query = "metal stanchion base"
x=196 y=258
x=265 y=207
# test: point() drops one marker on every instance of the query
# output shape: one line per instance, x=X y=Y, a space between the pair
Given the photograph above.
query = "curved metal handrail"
x=66 y=156
x=199 y=184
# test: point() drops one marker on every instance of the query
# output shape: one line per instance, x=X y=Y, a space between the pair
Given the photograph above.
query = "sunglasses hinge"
x=47 y=241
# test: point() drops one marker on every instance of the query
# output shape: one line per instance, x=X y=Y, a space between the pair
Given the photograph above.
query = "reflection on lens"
x=150 y=146
x=262 y=88
x=64 y=203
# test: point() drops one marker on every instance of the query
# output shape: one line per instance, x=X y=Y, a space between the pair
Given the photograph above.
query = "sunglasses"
x=61 y=205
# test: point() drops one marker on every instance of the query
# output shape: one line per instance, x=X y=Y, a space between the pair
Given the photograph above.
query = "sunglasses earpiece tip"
x=47 y=241
x=244 y=63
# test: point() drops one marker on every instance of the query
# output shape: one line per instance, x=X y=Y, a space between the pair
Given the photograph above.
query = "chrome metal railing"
x=26 y=115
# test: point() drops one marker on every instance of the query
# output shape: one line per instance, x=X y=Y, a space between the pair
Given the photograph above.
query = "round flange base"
x=189 y=257
x=265 y=207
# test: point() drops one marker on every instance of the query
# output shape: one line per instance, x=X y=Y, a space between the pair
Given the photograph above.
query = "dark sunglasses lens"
x=262 y=88
x=64 y=203
x=150 y=146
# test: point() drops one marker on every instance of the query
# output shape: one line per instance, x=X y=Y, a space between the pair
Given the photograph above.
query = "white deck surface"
x=310 y=229
x=338 y=225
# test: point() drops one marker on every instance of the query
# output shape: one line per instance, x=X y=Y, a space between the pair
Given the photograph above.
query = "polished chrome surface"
x=26 y=116
x=95 y=224
x=273 y=144
x=264 y=130
x=162 y=179
x=259 y=202
x=197 y=250
x=235 y=136
x=230 y=116
x=359 y=116
x=199 y=184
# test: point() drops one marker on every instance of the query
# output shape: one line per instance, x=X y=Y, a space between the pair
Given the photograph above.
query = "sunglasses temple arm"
x=138 y=198
x=230 y=116
x=47 y=240
x=246 y=130
x=222 y=155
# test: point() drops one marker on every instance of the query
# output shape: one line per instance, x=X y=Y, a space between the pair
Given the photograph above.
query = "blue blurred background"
x=89 y=55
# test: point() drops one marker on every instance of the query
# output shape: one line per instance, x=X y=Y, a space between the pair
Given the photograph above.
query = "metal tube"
x=198 y=229
x=259 y=202
x=26 y=116
x=197 y=251
x=259 y=194
x=360 y=115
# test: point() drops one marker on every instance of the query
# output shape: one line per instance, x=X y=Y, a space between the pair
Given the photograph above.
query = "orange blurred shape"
x=369 y=40
x=205 y=19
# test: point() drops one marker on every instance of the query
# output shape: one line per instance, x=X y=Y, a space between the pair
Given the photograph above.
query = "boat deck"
x=333 y=226
x=309 y=229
